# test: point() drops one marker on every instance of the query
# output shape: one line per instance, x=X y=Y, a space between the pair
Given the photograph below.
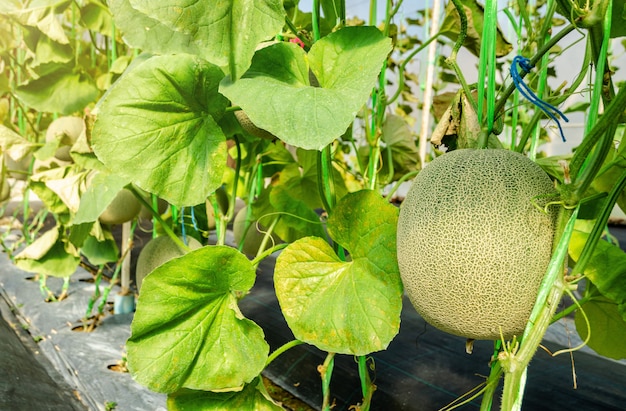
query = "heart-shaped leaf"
x=188 y=331
x=345 y=63
x=157 y=126
x=349 y=307
x=226 y=33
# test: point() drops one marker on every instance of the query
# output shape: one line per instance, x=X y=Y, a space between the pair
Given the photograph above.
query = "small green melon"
x=251 y=128
x=123 y=208
x=253 y=237
x=472 y=246
x=158 y=251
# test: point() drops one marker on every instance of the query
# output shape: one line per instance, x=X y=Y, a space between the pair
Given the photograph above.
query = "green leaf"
x=606 y=268
x=297 y=216
x=618 y=19
x=63 y=91
x=253 y=397
x=226 y=33
x=14 y=145
x=97 y=18
x=451 y=28
x=157 y=126
x=145 y=33
x=51 y=254
x=59 y=188
x=400 y=148
x=607 y=327
x=40 y=14
x=100 y=252
x=49 y=55
x=346 y=64
x=349 y=307
x=188 y=331
x=612 y=169
x=101 y=191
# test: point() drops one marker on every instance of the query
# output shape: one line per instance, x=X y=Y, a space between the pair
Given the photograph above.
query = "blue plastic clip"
x=523 y=88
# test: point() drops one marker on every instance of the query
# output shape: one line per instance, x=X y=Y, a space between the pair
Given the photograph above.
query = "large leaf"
x=158 y=126
x=607 y=330
x=252 y=398
x=40 y=14
x=226 y=33
x=51 y=254
x=63 y=91
x=188 y=331
x=606 y=269
x=350 y=307
x=345 y=63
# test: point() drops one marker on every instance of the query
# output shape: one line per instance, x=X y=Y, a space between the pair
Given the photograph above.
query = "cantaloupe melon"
x=158 y=251
x=472 y=246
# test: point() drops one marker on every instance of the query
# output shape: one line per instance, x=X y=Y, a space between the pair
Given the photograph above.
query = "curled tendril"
x=523 y=88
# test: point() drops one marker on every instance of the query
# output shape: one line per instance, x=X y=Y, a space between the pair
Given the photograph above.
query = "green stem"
x=543 y=72
x=326 y=372
x=325 y=180
x=451 y=61
x=491 y=385
x=567 y=311
x=96 y=292
x=280 y=350
x=315 y=20
x=533 y=61
x=402 y=67
x=487 y=61
x=402 y=179
x=603 y=88
x=162 y=223
x=605 y=122
x=367 y=387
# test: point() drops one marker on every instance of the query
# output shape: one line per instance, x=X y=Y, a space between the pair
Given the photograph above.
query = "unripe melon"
x=66 y=130
x=472 y=246
x=253 y=237
x=123 y=208
x=251 y=128
x=158 y=251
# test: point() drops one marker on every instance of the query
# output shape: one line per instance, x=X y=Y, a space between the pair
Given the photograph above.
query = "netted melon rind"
x=472 y=248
